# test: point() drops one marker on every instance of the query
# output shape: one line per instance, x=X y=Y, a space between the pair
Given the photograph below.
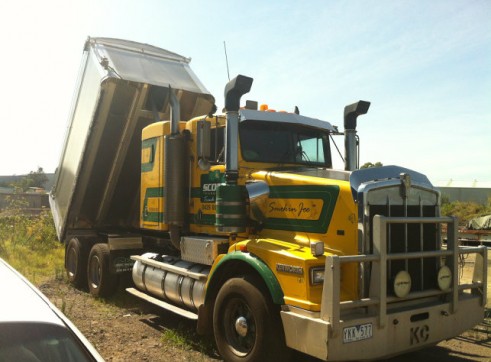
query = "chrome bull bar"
x=332 y=305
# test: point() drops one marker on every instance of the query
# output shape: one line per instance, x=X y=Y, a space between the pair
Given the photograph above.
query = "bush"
x=30 y=245
x=465 y=211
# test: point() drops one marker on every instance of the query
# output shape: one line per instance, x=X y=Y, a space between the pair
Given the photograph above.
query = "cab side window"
x=217 y=145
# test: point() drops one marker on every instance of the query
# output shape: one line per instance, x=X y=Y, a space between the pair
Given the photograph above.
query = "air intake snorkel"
x=351 y=113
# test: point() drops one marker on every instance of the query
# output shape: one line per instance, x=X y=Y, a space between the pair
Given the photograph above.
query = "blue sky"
x=424 y=65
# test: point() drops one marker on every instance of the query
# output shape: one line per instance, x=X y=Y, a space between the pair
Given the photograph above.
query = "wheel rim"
x=239 y=327
x=95 y=272
x=71 y=262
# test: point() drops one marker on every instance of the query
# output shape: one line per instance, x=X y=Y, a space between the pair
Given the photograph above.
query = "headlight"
x=444 y=278
x=317 y=276
x=402 y=284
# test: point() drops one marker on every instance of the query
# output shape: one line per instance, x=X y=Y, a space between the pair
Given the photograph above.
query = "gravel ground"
x=123 y=328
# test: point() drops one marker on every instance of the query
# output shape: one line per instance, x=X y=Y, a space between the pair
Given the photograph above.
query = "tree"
x=369 y=164
x=33 y=179
x=38 y=177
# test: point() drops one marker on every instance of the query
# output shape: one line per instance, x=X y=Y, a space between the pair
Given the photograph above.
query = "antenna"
x=226 y=59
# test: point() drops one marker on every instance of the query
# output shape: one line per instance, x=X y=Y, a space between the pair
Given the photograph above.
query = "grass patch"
x=177 y=338
x=30 y=245
x=187 y=339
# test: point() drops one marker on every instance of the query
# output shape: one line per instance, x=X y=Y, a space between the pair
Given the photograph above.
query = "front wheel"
x=102 y=283
x=247 y=325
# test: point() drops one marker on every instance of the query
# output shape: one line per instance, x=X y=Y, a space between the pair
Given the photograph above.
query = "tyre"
x=76 y=263
x=101 y=282
x=246 y=324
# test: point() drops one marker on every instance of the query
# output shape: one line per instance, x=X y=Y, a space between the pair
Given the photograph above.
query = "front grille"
x=403 y=238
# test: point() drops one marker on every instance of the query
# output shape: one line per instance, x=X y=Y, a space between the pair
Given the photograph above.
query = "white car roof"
x=20 y=302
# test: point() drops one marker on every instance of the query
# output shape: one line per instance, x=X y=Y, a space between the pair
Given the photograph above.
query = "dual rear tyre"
x=76 y=255
x=101 y=281
x=91 y=269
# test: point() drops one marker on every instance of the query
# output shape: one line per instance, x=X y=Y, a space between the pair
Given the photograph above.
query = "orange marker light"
x=263 y=107
x=243 y=248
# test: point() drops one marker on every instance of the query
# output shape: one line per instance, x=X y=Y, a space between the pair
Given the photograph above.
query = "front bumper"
x=403 y=332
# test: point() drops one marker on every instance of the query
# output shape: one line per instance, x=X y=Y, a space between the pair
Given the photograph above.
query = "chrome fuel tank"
x=171 y=279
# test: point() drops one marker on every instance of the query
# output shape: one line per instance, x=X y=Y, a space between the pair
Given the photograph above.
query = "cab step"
x=160 y=303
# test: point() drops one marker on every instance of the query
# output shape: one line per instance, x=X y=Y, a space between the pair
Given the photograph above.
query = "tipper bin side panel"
x=104 y=148
x=85 y=102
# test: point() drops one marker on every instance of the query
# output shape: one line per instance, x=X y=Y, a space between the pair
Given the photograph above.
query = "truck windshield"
x=275 y=142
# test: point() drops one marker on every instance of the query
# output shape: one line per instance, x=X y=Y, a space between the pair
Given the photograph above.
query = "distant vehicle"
x=33 y=329
x=476 y=232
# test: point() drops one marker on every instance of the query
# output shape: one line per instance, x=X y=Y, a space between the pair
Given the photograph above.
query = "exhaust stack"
x=176 y=180
x=175 y=109
x=351 y=113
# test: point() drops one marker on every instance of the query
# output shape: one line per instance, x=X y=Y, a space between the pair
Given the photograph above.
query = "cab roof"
x=284 y=117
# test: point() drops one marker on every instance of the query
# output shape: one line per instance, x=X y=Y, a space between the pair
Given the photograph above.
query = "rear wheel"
x=76 y=263
x=102 y=283
x=247 y=325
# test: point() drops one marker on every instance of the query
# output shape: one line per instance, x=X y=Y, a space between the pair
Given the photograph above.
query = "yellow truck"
x=240 y=221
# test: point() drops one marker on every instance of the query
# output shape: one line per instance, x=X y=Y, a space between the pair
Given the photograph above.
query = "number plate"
x=357 y=333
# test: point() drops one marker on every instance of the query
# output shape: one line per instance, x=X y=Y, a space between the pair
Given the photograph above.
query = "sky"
x=425 y=66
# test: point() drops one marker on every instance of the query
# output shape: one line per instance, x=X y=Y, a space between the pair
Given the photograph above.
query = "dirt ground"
x=123 y=328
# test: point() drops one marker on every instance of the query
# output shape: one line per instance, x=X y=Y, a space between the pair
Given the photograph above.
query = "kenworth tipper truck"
x=240 y=221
